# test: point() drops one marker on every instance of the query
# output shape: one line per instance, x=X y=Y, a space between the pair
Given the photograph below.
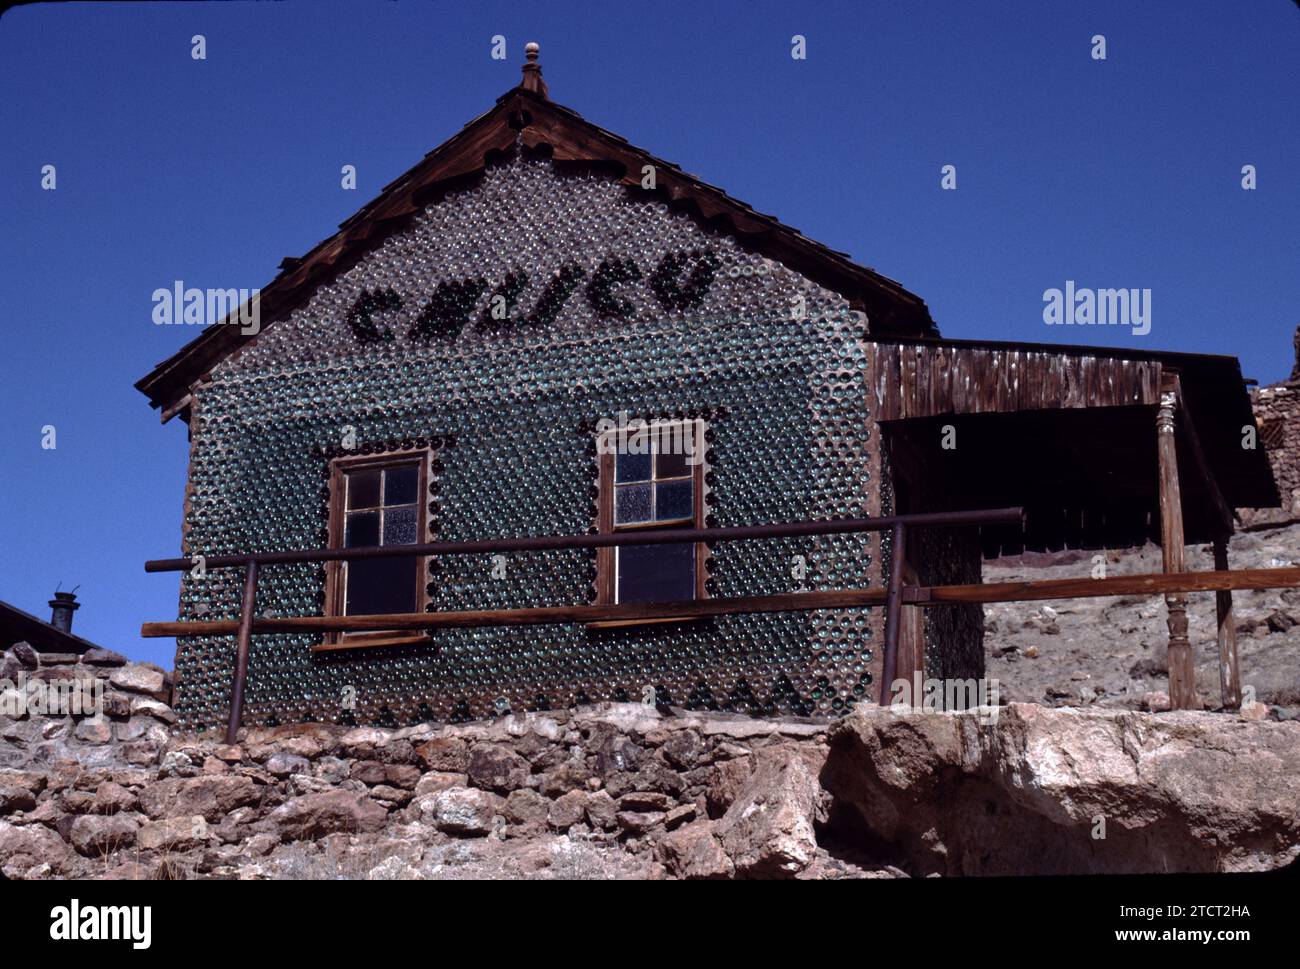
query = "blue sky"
x=1117 y=173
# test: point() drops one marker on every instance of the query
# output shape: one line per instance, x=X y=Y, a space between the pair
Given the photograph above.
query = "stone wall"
x=1277 y=414
x=94 y=708
x=620 y=790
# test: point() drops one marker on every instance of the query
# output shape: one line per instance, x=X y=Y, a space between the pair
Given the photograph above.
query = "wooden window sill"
x=354 y=643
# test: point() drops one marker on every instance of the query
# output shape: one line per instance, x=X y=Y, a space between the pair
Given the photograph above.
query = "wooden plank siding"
x=909 y=380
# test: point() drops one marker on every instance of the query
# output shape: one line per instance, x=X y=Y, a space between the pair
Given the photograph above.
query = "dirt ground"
x=1111 y=652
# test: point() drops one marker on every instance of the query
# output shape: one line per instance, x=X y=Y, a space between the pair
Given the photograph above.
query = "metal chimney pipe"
x=62 y=606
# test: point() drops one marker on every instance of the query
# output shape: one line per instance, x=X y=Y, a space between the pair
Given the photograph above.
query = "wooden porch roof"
x=1069 y=433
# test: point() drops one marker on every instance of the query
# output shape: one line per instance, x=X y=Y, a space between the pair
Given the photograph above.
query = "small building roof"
x=17 y=626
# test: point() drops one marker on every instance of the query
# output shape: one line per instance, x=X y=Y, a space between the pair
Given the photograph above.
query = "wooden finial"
x=533 y=71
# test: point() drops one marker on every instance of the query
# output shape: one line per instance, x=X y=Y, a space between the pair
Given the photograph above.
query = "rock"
x=726 y=779
x=14 y=798
x=679 y=816
x=694 y=852
x=96 y=730
x=24 y=848
x=138 y=678
x=283 y=765
x=497 y=768
x=211 y=796
x=524 y=807
x=171 y=834
x=618 y=754
x=1155 y=701
x=461 y=810
x=405 y=776
x=435 y=781
x=955 y=793
x=683 y=749
x=117 y=704
x=230 y=753
x=27 y=657
x=645 y=801
x=393 y=795
x=447 y=754
x=1253 y=710
x=768 y=832
x=601 y=810
x=568 y=809
x=317 y=815
x=134 y=729
x=111 y=798
x=572 y=775
x=95 y=835
x=152 y=708
x=638 y=822
x=99 y=656
x=369 y=772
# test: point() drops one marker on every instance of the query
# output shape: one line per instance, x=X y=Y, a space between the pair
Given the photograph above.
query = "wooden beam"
x=787 y=602
x=1182 y=670
x=1142 y=584
x=1229 y=667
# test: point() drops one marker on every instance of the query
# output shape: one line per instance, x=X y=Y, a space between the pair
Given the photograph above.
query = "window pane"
x=631 y=504
x=671 y=466
x=399 y=526
x=631 y=467
x=381 y=585
x=673 y=500
x=401 y=485
x=363 y=489
x=656 y=573
x=362 y=529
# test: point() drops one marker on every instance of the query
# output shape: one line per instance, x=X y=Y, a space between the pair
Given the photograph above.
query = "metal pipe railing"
x=897 y=525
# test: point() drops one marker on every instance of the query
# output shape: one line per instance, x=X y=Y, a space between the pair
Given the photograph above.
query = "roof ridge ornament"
x=533 y=71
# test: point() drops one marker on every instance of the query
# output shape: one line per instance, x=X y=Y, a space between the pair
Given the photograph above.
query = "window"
x=377 y=500
x=651 y=476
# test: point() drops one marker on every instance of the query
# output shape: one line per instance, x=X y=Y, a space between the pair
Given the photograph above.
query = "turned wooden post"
x=1229 y=669
x=1182 y=671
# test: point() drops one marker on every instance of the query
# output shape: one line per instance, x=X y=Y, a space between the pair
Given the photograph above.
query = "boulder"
x=526 y=807
x=497 y=768
x=171 y=834
x=14 y=798
x=461 y=810
x=97 y=835
x=99 y=656
x=317 y=815
x=138 y=678
x=24 y=848
x=694 y=852
x=1040 y=790
x=27 y=657
x=447 y=754
x=768 y=832
x=568 y=810
x=111 y=798
x=210 y=796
